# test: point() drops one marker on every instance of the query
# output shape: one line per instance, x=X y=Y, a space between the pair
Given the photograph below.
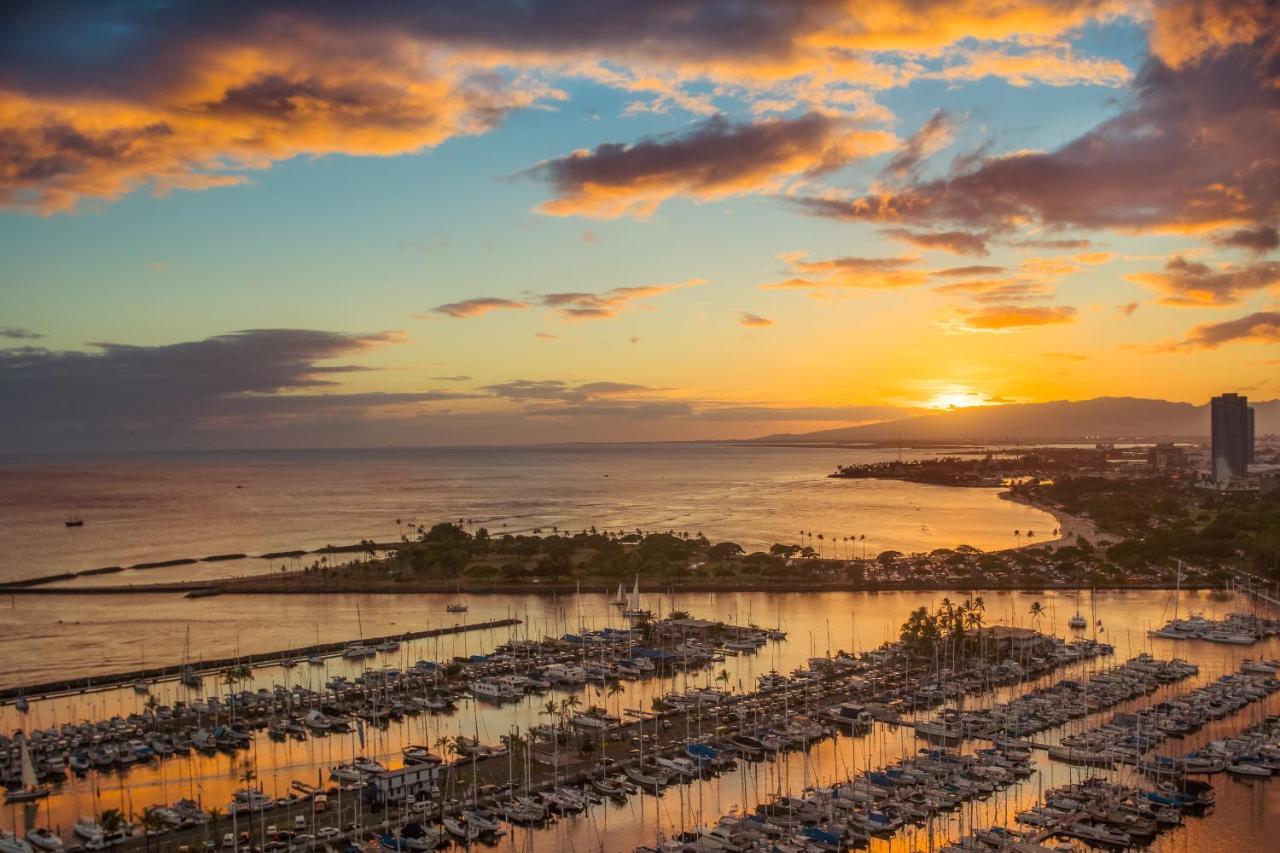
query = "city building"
x=1231 y=422
x=1166 y=456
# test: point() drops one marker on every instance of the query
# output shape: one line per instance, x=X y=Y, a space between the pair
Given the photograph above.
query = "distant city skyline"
x=292 y=225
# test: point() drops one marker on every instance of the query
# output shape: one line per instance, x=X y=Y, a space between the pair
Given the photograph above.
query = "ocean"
x=141 y=508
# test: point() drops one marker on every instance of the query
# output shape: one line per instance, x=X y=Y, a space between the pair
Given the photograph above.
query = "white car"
x=229 y=839
x=328 y=833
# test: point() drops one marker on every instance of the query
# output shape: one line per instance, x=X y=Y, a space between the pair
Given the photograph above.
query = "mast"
x=29 y=781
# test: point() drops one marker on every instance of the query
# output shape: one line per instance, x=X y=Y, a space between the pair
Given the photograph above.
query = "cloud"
x=1009 y=318
x=1192 y=283
x=1128 y=308
x=1260 y=327
x=641 y=410
x=1056 y=66
x=1093 y=258
x=933 y=136
x=184 y=387
x=1259 y=240
x=1192 y=150
x=716 y=159
x=956 y=242
x=1066 y=356
x=610 y=303
x=998 y=291
x=557 y=389
x=16 y=334
x=750 y=320
x=956 y=272
x=1052 y=244
x=849 y=272
x=843 y=414
x=1186 y=30
x=458 y=378
x=479 y=305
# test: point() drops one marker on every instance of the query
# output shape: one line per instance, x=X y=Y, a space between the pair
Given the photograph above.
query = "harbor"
x=729 y=711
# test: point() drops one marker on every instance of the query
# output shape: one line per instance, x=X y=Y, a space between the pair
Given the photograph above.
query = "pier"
x=91 y=683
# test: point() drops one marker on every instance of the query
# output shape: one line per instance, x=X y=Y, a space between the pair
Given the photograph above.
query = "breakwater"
x=205 y=667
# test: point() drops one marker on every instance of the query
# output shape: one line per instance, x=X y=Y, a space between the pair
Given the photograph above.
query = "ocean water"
x=152 y=507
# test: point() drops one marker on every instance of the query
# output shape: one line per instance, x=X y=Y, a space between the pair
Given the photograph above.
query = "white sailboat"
x=31 y=789
x=620 y=598
x=634 y=610
x=1077 y=622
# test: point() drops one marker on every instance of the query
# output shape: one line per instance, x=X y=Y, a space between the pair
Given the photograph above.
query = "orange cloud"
x=1186 y=30
x=998 y=291
x=1009 y=318
x=716 y=160
x=1050 y=67
x=241 y=107
x=750 y=320
x=476 y=307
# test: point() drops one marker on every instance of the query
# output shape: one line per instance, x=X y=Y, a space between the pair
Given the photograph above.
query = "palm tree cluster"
x=954 y=629
x=847 y=553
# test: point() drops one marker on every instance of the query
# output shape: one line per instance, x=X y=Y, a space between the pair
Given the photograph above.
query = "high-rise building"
x=1232 y=428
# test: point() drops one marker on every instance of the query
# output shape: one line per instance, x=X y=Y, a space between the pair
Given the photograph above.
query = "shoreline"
x=275 y=587
x=1069 y=526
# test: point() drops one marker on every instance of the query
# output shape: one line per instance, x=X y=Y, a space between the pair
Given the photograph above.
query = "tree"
x=1037 y=611
x=111 y=820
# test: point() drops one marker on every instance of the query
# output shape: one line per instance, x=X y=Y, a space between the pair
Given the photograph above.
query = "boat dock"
x=111 y=681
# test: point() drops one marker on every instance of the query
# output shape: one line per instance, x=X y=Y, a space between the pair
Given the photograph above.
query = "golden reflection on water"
x=1247 y=814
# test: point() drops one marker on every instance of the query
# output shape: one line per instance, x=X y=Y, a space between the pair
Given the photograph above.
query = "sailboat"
x=30 y=789
x=189 y=676
x=1077 y=622
x=620 y=598
x=633 y=610
x=458 y=606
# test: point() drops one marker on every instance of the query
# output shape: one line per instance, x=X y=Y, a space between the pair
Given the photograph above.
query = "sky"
x=314 y=224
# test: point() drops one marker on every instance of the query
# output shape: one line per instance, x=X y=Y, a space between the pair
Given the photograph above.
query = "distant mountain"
x=1104 y=417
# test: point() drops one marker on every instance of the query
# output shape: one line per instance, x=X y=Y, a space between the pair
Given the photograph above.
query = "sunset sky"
x=240 y=224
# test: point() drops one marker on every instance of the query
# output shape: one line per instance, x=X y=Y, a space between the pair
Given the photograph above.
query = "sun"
x=956 y=400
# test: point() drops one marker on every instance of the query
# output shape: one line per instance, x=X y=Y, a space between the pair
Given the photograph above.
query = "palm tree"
x=111 y=820
x=1037 y=611
x=723 y=678
x=151 y=822
x=615 y=688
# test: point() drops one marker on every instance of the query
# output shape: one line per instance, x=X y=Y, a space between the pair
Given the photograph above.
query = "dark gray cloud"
x=187 y=386
x=1195 y=146
x=717 y=158
x=1193 y=283
x=1259 y=327
x=522 y=390
x=956 y=242
x=1259 y=240
x=14 y=333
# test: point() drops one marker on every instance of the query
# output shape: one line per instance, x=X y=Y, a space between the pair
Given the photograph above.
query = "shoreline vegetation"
x=1112 y=533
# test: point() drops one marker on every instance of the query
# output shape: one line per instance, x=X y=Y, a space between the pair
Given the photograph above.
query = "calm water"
x=74 y=634
x=147 y=508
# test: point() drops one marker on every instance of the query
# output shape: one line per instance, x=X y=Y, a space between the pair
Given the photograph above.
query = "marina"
x=791 y=726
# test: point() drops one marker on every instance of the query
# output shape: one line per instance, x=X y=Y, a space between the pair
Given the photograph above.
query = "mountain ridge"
x=1098 y=417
